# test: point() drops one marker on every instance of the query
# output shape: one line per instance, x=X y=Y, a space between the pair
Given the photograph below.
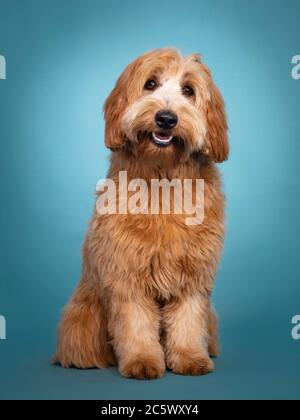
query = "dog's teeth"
x=162 y=140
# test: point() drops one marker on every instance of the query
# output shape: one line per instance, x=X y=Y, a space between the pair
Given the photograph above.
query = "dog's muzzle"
x=165 y=121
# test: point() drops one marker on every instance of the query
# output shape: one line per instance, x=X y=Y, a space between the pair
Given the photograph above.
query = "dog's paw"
x=190 y=363
x=143 y=368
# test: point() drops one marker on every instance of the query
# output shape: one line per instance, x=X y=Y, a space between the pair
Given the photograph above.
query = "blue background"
x=63 y=57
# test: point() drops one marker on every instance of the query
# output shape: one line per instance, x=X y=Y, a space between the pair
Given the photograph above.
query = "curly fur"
x=144 y=298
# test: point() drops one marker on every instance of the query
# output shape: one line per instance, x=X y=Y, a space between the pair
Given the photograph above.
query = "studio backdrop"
x=59 y=59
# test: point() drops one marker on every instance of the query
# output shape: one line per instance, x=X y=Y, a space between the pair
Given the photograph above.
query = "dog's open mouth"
x=162 y=138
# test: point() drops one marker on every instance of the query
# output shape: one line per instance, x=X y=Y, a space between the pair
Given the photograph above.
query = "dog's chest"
x=175 y=256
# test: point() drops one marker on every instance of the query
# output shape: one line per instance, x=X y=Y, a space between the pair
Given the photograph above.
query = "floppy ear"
x=114 y=109
x=217 y=129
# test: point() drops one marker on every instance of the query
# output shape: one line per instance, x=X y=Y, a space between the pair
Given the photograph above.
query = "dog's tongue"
x=163 y=136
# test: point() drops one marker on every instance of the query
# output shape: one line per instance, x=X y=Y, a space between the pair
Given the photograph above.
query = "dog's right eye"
x=150 y=84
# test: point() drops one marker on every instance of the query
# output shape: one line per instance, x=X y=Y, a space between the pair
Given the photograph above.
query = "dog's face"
x=166 y=106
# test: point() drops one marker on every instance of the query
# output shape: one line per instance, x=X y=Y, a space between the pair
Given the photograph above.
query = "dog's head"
x=165 y=105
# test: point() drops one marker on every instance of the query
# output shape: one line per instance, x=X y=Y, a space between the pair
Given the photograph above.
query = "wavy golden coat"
x=144 y=297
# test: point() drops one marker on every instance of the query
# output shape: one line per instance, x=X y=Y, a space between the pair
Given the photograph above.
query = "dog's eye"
x=188 y=91
x=150 y=84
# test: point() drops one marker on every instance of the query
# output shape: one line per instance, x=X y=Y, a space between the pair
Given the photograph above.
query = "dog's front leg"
x=134 y=325
x=185 y=321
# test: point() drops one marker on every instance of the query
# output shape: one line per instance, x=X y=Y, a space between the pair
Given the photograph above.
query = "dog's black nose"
x=166 y=120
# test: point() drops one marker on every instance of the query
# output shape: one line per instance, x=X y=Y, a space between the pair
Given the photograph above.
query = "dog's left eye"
x=188 y=91
x=150 y=84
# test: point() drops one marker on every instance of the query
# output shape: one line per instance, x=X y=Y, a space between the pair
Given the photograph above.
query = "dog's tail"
x=83 y=339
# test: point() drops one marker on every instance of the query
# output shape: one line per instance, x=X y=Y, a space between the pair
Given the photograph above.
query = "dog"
x=144 y=299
